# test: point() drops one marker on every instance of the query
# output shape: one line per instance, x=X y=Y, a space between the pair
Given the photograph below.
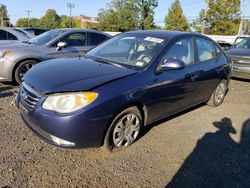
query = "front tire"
x=22 y=68
x=124 y=129
x=219 y=94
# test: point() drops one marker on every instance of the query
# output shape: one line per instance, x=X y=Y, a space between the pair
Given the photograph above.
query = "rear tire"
x=219 y=94
x=22 y=68
x=124 y=129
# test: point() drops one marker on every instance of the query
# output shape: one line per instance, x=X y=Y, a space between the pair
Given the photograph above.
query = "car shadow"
x=217 y=160
x=147 y=128
x=241 y=79
x=4 y=91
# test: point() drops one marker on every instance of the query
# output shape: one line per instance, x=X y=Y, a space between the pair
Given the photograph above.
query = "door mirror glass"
x=61 y=45
x=172 y=64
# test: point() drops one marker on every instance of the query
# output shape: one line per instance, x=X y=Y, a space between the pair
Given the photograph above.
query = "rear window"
x=205 y=49
x=3 y=35
x=95 y=39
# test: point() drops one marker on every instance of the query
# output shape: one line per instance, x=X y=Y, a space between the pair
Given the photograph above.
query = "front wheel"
x=124 y=129
x=219 y=94
x=22 y=68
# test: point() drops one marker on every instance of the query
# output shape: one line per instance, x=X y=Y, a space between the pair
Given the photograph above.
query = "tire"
x=120 y=135
x=219 y=94
x=22 y=68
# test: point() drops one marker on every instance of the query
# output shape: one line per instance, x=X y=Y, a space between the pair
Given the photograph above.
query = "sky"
x=16 y=8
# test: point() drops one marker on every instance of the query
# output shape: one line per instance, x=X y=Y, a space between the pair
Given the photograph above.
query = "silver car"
x=17 y=58
x=12 y=35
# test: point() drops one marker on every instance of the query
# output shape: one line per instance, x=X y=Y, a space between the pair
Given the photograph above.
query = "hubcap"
x=220 y=92
x=25 y=69
x=126 y=130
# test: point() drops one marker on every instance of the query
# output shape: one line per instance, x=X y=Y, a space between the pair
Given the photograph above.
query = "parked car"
x=17 y=58
x=241 y=59
x=35 y=31
x=11 y=35
x=129 y=81
x=21 y=30
x=225 y=45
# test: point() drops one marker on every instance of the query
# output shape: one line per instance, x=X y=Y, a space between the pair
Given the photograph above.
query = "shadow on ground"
x=4 y=91
x=217 y=160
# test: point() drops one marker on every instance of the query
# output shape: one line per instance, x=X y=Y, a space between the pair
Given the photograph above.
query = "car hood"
x=72 y=74
x=239 y=52
x=14 y=46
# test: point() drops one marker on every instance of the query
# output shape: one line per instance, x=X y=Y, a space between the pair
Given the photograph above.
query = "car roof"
x=82 y=30
x=21 y=36
x=166 y=34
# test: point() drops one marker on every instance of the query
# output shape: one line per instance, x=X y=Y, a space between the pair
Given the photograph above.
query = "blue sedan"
x=134 y=79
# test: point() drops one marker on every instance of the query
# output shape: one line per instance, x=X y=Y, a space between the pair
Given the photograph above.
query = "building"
x=86 y=21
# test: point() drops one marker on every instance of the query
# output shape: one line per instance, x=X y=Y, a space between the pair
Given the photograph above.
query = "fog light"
x=61 y=142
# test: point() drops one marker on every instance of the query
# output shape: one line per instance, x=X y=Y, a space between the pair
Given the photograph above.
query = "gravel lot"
x=204 y=147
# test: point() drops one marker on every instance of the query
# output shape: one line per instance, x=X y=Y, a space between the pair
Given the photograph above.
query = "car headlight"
x=7 y=54
x=69 y=102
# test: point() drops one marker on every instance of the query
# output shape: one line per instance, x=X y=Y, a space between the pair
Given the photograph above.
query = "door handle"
x=193 y=76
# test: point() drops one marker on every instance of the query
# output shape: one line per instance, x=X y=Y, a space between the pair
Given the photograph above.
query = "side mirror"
x=171 y=64
x=61 y=45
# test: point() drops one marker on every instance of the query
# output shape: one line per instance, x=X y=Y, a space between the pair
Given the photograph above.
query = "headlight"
x=7 y=54
x=69 y=102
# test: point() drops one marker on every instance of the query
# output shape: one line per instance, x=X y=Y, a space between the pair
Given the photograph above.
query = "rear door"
x=213 y=65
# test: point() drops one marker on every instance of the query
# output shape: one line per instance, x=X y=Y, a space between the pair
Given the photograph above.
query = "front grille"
x=29 y=96
x=241 y=61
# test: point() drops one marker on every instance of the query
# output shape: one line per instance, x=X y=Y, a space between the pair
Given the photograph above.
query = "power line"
x=70 y=6
x=28 y=12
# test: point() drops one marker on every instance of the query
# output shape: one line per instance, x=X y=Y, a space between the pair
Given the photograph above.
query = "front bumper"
x=6 y=67
x=76 y=130
x=241 y=67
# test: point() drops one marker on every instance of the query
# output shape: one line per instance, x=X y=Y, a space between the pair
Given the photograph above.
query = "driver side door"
x=76 y=45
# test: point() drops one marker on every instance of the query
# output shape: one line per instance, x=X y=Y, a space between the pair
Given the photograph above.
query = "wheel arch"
x=139 y=105
x=19 y=62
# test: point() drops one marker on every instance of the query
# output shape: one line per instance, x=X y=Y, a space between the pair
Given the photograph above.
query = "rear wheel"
x=22 y=68
x=219 y=94
x=124 y=129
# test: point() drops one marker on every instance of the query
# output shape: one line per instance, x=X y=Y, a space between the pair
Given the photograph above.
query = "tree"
x=223 y=18
x=175 y=19
x=121 y=15
x=146 y=13
x=23 y=22
x=64 y=21
x=50 y=20
x=5 y=22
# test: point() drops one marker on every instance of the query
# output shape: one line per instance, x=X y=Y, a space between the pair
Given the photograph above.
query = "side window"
x=3 y=35
x=181 y=50
x=74 y=39
x=205 y=49
x=11 y=37
x=95 y=39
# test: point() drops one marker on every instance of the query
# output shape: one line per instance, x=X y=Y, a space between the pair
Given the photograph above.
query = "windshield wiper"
x=105 y=61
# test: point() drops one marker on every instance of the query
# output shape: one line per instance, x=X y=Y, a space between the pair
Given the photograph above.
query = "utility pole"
x=243 y=21
x=70 y=6
x=28 y=12
x=205 y=17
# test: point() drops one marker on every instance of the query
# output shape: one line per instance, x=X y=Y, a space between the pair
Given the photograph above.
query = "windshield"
x=128 y=50
x=245 y=43
x=45 y=37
